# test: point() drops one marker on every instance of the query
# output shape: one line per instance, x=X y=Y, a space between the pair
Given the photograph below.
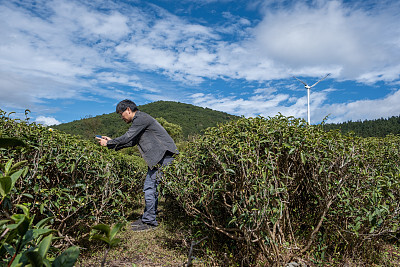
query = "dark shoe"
x=140 y=227
x=137 y=223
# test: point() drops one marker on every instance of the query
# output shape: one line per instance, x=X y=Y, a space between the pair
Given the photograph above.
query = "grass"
x=167 y=245
x=149 y=248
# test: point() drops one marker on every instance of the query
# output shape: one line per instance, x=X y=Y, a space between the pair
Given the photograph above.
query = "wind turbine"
x=308 y=94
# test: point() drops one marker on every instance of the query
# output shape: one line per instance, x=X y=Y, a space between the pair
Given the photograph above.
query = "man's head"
x=126 y=108
x=124 y=104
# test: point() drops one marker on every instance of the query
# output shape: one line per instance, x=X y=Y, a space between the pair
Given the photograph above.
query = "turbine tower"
x=308 y=94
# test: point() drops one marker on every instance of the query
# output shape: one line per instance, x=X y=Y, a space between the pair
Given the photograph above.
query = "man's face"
x=127 y=115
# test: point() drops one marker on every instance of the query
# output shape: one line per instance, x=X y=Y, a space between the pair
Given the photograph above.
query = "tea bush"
x=281 y=189
x=77 y=182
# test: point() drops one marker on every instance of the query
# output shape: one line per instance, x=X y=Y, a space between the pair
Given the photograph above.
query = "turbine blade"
x=320 y=80
x=300 y=81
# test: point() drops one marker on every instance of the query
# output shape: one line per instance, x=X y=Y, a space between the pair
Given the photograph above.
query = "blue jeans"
x=150 y=191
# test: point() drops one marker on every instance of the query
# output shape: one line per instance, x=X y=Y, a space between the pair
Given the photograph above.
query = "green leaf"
x=231 y=171
x=5 y=185
x=27 y=195
x=8 y=166
x=100 y=237
x=35 y=259
x=102 y=228
x=24 y=209
x=39 y=232
x=114 y=242
x=22 y=223
x=234 y=208
x=10 y=249
x=45 y=245
x=116 y=228
x=303 y=158
x=2 y=222
x=67 y=258
x=321 y=169
x=26 y=169
x=17 y=165
x=27 y=238
x=43 y=222
x=41 y=208
x=72 y=168
x=12 y=226
x=15 y=176
x=233 y=220
x=46 y=263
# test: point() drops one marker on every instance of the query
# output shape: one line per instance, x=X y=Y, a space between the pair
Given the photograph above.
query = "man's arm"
x=131 y=137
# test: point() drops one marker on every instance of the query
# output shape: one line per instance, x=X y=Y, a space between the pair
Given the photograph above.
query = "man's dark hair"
x=124 y=104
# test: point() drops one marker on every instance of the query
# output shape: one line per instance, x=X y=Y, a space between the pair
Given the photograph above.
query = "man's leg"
x=150 y=197
x=150 y=192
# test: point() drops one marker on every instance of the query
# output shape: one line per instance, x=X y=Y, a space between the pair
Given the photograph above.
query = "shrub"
x=76 y=181
x=281 y=188
x=21 y=241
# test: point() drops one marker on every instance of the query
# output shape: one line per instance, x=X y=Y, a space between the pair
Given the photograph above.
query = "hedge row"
x=76 y=181
x=281 y=188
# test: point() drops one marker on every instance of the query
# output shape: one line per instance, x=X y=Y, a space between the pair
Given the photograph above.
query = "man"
x=156 y=147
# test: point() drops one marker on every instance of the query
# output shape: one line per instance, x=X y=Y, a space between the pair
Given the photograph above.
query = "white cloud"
x=24 y=90
x=181 y=50
x=327 y=36
x=118 y=78
x=261 y=102
x=47 y=120
x=302 y=39
x=269 y=103
x=40 y=47
x=113 y=26
x=330 y=35
x=361 y=109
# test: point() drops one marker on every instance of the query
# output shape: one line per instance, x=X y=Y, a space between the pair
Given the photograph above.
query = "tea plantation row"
x=74 y=183
x=282 y=190
x=277 y=189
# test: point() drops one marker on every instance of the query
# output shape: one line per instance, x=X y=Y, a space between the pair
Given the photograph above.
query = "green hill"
x=192 y=119
x=368 y=128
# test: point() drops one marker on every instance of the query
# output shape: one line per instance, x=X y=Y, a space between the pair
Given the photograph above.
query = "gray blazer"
x=152 y=139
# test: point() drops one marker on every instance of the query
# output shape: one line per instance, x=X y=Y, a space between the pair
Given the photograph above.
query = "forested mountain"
x=369 y=128
x=192 y=119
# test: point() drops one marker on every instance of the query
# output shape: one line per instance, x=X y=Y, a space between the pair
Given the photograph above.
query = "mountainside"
x=369 y=128
x=192 y=119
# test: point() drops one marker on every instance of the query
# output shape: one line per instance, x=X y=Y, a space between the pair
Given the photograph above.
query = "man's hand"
x=103 y=140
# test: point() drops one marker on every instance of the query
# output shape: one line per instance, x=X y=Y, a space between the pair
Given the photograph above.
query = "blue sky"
x=68 y=59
